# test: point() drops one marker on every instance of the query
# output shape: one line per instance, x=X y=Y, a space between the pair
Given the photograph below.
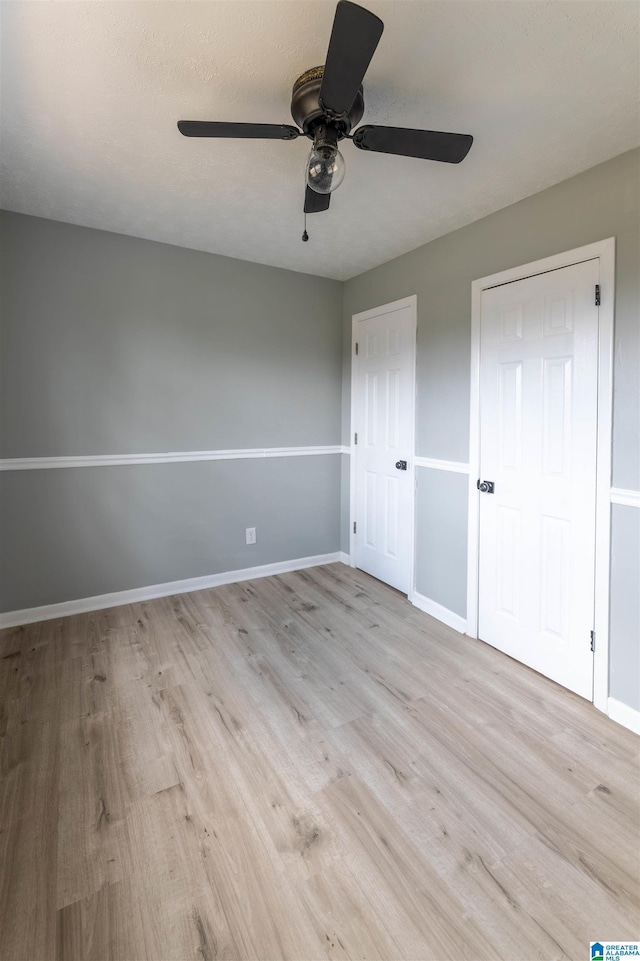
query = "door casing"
x=605 y=251
x=412 y=302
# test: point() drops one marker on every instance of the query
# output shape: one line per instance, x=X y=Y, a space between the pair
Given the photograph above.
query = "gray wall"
x=83 y=531
x=441 y=544
x=625 y=604
x=119 y=345
x=113 y=345
x=600 y=203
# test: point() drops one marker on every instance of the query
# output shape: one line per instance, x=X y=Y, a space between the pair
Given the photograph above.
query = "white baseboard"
x=103 y=601
x=345 y=558
x=623 y=714
x=441 y=613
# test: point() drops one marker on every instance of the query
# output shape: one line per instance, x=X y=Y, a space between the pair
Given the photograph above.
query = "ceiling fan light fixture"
x=327 y=103
x=324 y=174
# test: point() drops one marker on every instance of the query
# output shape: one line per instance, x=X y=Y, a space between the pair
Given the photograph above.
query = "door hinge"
x=354 y=527
x=593 y=640
x=355 y=438
x=356 y=348
x=597 y=295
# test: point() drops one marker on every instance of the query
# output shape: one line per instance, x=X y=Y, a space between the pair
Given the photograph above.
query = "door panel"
x=510 y=415
x=538 y=420
x=383 y=408
x=509 y=551
x=556 y=417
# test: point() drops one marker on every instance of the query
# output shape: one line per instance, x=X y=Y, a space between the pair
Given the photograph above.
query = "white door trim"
x=604 y=250
x=412 y=302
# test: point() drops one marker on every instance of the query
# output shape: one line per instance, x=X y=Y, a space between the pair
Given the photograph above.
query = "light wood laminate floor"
x=302 y=767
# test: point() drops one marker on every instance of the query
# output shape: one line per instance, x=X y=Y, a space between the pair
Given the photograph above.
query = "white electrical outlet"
x=250 y=535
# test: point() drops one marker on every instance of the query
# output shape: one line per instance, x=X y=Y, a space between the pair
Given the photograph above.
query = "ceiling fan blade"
x=314 y=202
x=353 y=42
x=448 y=148
x=260 y=131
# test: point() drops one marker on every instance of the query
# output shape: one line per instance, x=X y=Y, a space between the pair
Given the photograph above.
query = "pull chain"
x=305 y=235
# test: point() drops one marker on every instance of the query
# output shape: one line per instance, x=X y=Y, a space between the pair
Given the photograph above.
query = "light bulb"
x=324 y=175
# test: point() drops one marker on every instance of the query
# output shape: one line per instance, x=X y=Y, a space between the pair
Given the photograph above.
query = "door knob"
x=486 y=487
x=401 y=464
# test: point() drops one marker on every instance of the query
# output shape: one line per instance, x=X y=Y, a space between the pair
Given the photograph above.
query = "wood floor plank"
x=564 y=899
x=29 y=841
x=348 y=923
x=370 y=835
x=302 y=767
x=91 y=808
x=540 y=802
x=100 y=927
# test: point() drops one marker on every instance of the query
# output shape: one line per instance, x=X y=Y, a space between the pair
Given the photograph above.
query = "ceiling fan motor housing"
x=309 y=114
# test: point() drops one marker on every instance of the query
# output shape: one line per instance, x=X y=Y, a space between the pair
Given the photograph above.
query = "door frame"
x=604 y=251
x=412 y=302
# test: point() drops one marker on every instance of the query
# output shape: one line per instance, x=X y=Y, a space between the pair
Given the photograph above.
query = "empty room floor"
x=299 y=767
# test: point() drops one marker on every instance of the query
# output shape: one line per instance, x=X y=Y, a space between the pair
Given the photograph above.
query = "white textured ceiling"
x=91 y=93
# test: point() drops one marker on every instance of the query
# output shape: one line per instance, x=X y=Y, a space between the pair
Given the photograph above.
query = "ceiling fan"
x=327 y=102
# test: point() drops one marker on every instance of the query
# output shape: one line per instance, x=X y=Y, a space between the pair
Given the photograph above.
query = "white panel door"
x=538 y=420
x=384 y=402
